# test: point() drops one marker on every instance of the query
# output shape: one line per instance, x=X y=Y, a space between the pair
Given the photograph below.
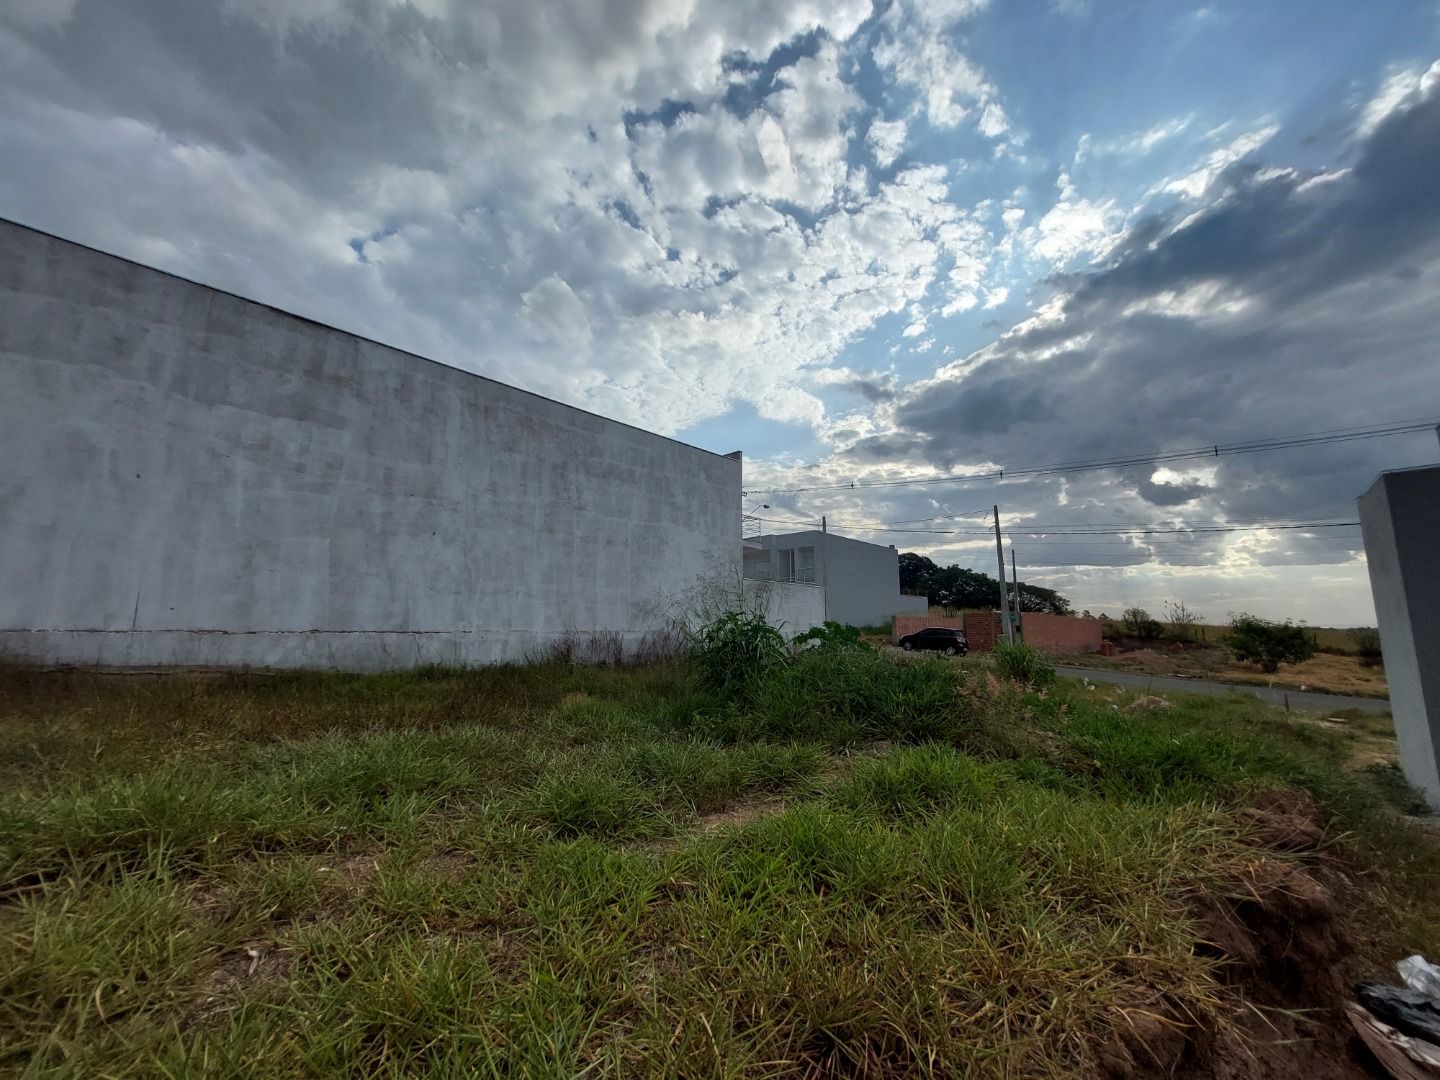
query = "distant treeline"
x=957 y=587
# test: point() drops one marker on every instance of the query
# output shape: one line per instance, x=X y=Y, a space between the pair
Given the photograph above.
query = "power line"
x=1118 y=543
x=1192 y=530
x=1216 y=450
x=1302 y=520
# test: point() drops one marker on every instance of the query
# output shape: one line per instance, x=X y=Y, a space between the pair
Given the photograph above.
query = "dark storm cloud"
x=1274 y=236
x=874 y=390
x=996 y=406
x=1169 y=494
x=1288 y=303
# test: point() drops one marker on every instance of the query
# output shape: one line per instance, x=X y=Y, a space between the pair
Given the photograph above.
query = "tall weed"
x=1023 y=664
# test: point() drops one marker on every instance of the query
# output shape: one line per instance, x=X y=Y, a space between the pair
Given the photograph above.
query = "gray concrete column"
x=1400 y=519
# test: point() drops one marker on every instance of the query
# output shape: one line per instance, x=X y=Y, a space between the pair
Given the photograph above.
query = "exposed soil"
x=254 y=967
x=354 y=871
x=1280 y=933
x=451 y=866
x=741 y=813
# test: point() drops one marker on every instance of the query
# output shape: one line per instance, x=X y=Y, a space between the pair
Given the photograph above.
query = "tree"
x=1044 y=601
x=915 y=573
x=1138 y=623
x=956 y=587
x=1182 y=620
x=1267 y=643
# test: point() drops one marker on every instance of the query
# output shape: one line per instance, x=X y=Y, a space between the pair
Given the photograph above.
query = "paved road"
x=1299 y=699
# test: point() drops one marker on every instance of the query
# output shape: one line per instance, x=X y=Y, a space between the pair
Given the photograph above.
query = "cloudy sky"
x=861 y=242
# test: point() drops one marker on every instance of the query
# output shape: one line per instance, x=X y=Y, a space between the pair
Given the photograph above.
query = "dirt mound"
x=1279 y=930
x=1285 y=820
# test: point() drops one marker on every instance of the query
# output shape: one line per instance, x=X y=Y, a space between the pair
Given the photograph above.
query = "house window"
x=784 y=566
x=805 y=569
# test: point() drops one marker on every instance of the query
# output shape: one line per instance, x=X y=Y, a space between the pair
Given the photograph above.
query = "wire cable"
x=1216 y=450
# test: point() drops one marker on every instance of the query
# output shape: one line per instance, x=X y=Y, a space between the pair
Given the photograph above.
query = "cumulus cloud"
x=1280 y=305
x=645 y=209
x=886 y=138
x=919 y=53
x=1073 y=226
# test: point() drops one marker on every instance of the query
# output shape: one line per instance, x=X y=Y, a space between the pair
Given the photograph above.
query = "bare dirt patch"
x=449 y=866
x=1279 y=931
x=355 y=872
x=736 y=814
x=255 y=967
x=1282 y=933
x=740 y=813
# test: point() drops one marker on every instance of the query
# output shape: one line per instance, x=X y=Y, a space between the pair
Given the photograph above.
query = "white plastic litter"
x=1404 y=1058
x=1419 y=974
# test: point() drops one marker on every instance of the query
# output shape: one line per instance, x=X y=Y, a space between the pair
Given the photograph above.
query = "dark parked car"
x=941 y=638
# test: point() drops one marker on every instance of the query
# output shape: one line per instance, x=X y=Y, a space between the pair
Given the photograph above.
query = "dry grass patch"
x=1324 y=673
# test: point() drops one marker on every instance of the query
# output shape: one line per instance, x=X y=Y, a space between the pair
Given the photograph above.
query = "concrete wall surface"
x=193 y=478
x=862 y=581
x=791 y=606
x=1400 y=521
x=912 y=605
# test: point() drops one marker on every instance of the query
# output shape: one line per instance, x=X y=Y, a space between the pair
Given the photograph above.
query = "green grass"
x=871 y=867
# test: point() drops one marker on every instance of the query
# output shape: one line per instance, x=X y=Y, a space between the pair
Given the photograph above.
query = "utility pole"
x=1004 y=601
x=825 y=564
x=1015 y=592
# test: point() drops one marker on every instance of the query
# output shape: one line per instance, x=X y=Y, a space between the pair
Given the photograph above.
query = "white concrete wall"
x=1400 y=520
x=192 y=478
x=791 y=606
x=861 y=580
x=913 y=605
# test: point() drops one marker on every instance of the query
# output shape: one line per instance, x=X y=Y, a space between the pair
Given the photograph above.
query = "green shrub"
x=830 y=635
x=732 y=654
x=1138 y=623
x=1267 y=643
x=1023 y=663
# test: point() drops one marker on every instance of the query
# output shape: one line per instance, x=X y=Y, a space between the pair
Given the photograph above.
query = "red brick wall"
x=908 y=624
x=1061 y=633
x=980 y=627
x=1058 y=633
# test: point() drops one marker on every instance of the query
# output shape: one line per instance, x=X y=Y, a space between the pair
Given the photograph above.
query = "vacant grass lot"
x=1325 y=672
x=861 y=868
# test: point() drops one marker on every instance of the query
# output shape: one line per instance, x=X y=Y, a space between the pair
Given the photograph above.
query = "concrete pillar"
x=1400 y=519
